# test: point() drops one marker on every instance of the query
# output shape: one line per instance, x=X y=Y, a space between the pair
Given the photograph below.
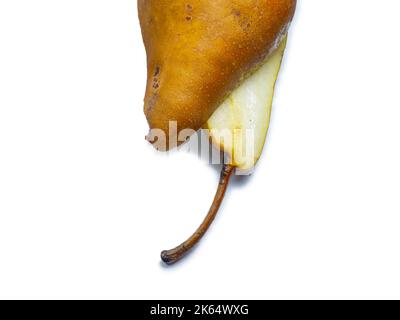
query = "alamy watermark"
x=238 y=144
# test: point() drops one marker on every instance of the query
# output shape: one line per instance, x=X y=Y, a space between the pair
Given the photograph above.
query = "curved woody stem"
x=174 y=255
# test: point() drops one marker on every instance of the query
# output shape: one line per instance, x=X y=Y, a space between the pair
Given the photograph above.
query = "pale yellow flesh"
x=239 y=126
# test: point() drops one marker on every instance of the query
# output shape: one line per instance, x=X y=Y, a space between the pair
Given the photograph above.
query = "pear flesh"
x=240 y=124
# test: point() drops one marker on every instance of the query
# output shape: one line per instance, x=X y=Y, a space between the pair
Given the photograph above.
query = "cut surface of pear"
x=240 y=124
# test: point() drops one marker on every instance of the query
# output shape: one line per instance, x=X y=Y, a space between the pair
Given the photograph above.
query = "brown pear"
x=199 y=51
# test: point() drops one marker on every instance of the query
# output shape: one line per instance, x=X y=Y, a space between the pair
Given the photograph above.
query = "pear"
x=213 y=64
x=198 y=52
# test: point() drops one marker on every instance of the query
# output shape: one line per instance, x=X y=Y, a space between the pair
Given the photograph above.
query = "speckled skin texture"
x=198 y=51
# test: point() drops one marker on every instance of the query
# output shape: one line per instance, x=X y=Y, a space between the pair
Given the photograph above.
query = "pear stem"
x=174 y=255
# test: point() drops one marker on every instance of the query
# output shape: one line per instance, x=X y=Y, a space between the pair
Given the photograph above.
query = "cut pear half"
x=239 y=126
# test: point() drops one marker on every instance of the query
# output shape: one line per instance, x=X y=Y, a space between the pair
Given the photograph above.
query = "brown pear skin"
x=199 y=51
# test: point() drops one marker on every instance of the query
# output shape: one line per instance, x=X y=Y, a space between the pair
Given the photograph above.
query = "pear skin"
x=198 y=52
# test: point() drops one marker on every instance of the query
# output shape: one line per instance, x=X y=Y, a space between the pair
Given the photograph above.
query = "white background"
x=86 y=205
